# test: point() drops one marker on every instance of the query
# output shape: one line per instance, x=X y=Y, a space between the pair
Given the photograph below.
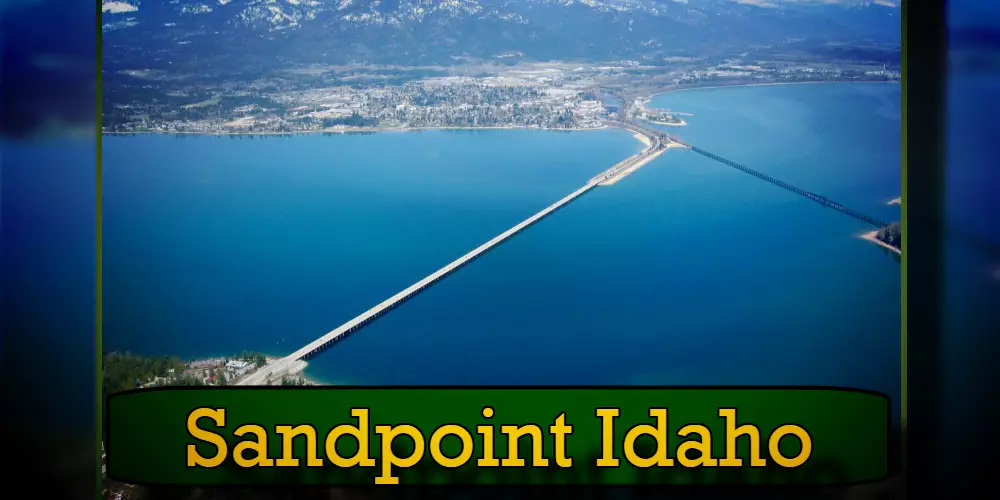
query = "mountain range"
x=231 y=34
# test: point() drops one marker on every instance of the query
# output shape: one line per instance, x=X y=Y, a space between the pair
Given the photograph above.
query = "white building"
x=237 y=364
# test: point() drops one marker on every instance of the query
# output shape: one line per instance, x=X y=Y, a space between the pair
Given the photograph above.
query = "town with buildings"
x=535 y=95
x=125 y=371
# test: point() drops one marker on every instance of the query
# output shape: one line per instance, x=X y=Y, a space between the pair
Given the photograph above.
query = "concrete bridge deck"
x=260 y=377
x=657 y=143
x=272 y=372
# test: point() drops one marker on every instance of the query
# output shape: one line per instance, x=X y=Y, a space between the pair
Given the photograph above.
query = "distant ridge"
x=227 y=34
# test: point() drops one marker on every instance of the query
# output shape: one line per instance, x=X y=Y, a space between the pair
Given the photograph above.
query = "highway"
x=657 y=144
x=270 y=373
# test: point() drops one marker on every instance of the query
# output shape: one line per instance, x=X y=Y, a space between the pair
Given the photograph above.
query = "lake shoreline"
x=872 y=236
x=771 y=84
x=354 y=130
x=295 y=375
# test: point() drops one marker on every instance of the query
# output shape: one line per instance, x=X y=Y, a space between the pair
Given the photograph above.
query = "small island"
x=638 y=110
x=663 y=118
x=889 y=237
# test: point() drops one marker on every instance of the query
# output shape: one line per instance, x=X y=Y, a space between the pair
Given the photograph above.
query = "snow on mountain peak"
x=118 y=7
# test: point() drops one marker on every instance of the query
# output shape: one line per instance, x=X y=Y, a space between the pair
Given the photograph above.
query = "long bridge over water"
x=267 y=373
x=657 y=143
x=822 y=200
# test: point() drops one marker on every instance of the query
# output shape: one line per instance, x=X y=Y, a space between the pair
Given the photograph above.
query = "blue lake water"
x=685 y=272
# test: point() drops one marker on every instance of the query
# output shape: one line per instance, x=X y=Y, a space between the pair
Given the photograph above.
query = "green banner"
x=616 y=436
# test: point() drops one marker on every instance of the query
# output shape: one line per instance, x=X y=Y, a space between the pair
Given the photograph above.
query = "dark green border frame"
x=922 y=139
x=887 y=426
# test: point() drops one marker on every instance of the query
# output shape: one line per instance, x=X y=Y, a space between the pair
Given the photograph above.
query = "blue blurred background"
x=971 y=271
x=47 y=86
x=47 y=156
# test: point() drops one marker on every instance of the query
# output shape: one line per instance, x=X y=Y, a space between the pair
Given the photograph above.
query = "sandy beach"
x=872 y=236
x=681 y=124
x=639 y=164
x=643 y=139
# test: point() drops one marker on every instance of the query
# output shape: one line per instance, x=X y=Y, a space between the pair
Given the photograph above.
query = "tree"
x=891 y=234
x=124 y=371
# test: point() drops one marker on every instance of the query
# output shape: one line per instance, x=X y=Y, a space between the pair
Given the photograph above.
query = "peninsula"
x=889 y=237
